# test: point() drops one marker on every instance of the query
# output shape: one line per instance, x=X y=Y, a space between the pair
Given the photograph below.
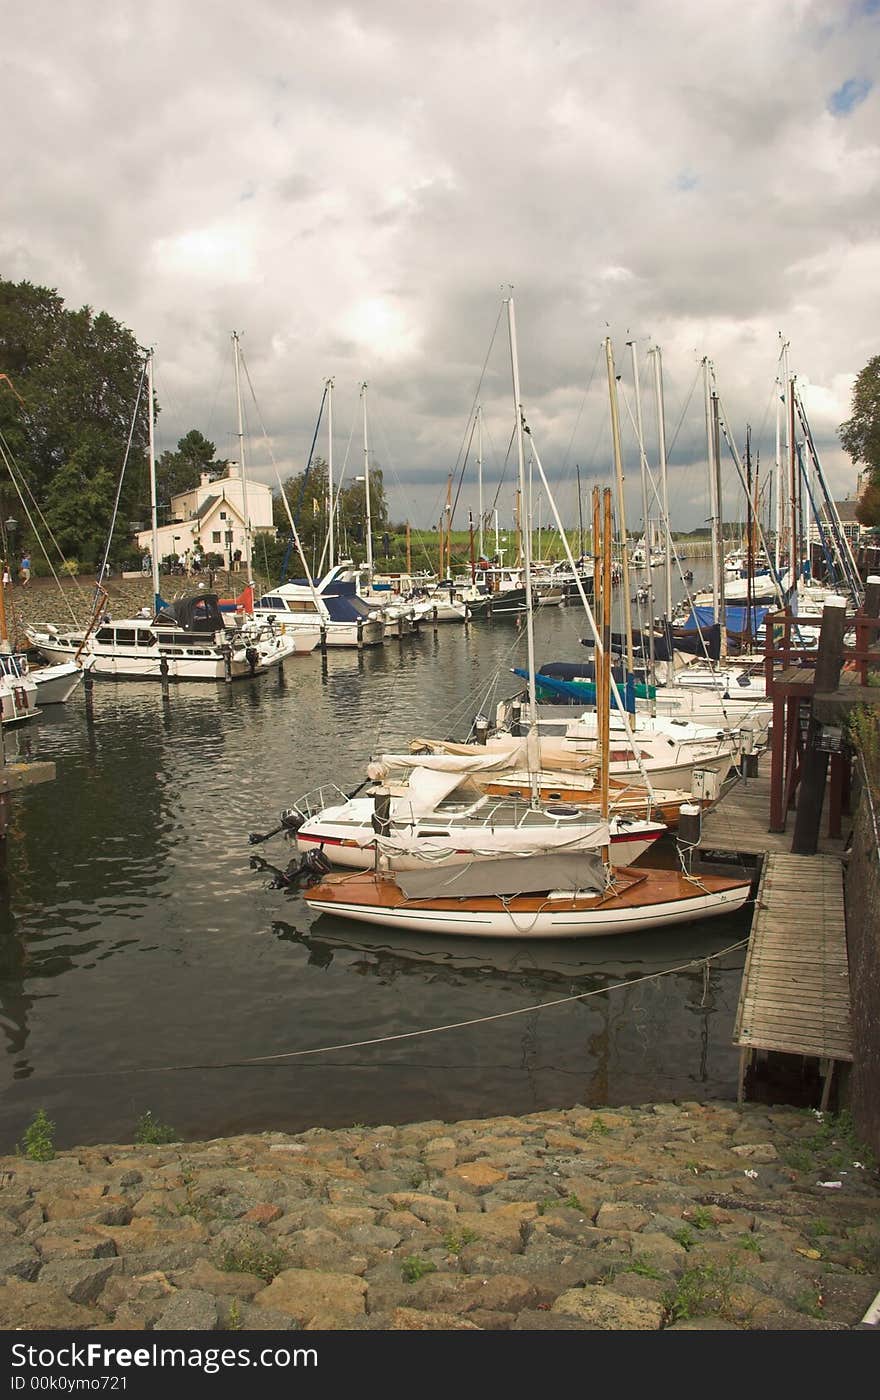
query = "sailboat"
x=546 y=896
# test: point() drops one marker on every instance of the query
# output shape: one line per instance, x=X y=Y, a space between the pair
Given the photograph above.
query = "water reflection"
x=135 y=940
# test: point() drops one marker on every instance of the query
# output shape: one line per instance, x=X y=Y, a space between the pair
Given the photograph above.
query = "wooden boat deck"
x=740 y=821
x=794 y=996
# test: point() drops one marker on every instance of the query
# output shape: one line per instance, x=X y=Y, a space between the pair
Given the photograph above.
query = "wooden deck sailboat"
x=554 y=896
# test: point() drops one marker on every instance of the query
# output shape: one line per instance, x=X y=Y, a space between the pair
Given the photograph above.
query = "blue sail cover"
x=581 y=691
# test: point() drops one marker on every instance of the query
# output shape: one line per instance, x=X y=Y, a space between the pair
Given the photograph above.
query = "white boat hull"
x=55 y=684
x=145 y=663
x=345 y=850
x=551 y=922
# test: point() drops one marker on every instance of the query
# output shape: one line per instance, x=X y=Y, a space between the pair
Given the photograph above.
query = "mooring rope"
x=412 y=1035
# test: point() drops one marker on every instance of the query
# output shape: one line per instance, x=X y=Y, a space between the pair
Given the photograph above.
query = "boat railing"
x=13 y=664
x=314 y=802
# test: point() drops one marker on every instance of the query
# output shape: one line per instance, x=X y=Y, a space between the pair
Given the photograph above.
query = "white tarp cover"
x=427 y=787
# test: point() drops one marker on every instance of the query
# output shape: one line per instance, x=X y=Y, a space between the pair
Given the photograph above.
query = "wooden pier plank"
x=794 y=996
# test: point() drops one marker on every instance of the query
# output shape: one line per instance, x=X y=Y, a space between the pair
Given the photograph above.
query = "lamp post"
x=229 y=547
x=10 y=526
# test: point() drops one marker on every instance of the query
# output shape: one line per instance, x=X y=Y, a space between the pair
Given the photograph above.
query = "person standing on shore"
x=25 y=569
x=7 y=577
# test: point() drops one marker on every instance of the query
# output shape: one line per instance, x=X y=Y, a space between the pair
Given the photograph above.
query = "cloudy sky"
x=354 y=188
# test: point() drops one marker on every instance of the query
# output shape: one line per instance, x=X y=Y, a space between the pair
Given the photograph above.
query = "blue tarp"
x=581 y=691
x=736 y=618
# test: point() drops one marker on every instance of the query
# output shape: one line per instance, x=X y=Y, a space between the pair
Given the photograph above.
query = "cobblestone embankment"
x=43 y=601
x=676 y=1216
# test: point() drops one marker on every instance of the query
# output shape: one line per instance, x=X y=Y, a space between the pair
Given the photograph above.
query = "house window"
x=223 y=515
x=215 y=536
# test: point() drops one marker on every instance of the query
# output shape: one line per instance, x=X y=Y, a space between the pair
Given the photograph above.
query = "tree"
x=181 y=470
x=306 y=496
x=79 y=376
x=353 y=511
x=860 y=436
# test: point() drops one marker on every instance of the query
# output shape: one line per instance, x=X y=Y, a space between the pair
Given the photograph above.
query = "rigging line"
x=581 y=409
x=338 y=496
x=687 y=404
x=103 y=569
x=461 y=474
x=476 y=397
x=414 y=1035
x=4 y=450
x=504 y=468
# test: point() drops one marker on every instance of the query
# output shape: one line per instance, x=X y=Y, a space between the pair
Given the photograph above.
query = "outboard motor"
x=252 y=656
x=314 y=866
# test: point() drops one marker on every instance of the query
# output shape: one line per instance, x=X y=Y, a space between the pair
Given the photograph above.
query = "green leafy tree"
x=353 y=513
x=306 y=495
x=860 y=436
x=182 y=470
x=307 y=498
x=77 y=376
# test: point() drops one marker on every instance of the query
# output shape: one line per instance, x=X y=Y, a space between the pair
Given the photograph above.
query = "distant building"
x=851 y=527
x=209 y=518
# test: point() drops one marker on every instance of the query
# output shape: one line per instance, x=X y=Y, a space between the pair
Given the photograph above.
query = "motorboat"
x=18 y=693
x=188 y=639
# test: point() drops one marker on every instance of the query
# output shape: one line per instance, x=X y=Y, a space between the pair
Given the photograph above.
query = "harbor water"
x=145 y=966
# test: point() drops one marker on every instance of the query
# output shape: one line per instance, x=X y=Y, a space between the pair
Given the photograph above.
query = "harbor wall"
x=863 y=948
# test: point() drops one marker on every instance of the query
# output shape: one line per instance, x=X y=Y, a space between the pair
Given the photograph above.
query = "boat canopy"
x=195 y=612
x=460 y=764
x=344 y=605
x=509 y=875
x=706 y=642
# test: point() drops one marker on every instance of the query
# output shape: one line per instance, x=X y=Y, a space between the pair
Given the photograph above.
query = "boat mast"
x=621 y=507
x=646 y=522
x=241 y=464
x=480 y=473
x=446 y=569
x=527 y=553
x=604 y=664
x=331 y=505
x=714 y=509
x=154 y=504
x=664 y=475
x=780 y=476
x=719 y=496
x=580 y=515
x=750 y=554
x=368 y=522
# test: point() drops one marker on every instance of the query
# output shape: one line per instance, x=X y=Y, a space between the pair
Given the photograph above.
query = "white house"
x=209 y=518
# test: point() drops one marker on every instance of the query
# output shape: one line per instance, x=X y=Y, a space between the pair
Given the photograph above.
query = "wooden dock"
x=794 y=997
x=740 y=823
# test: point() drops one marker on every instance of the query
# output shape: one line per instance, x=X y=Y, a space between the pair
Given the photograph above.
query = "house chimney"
x=232 y=471
x=205 y=479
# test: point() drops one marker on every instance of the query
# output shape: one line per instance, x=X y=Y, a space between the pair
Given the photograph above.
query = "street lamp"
x=10 y=526
x=229 y=547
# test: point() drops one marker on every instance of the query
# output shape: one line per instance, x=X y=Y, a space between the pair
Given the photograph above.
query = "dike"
x=666 y=1216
